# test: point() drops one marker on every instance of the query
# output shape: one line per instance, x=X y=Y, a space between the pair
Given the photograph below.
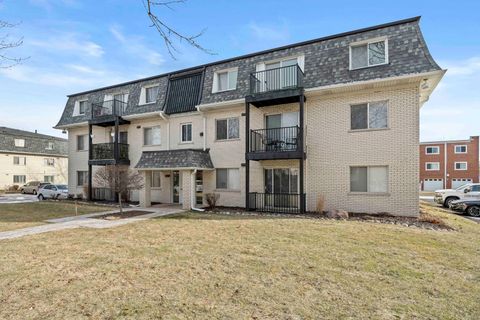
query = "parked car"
x=472 y=207
x=467 y=191
x=53 y=191
x=32 y=187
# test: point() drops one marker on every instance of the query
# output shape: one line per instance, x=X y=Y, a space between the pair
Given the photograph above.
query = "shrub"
x=212 y=199
x=320 y=203
x=70 y=196
x=13 y=188
x=79 y=196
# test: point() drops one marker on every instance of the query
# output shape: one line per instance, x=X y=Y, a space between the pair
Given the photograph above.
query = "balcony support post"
x=247 y=149
x=302 y=158
x=90 y=189
x=116 y=154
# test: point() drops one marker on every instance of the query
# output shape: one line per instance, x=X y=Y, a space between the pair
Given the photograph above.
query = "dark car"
x=472 y=207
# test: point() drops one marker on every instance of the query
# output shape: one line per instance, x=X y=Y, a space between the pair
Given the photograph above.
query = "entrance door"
x=281 y=187
x=281 y=131
x=177 y=182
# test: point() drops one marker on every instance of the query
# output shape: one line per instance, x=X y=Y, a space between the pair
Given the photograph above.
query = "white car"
x=465 y=192
x=53 y=191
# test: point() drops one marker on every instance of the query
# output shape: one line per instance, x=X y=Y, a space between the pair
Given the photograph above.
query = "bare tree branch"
x=7 y=61
x=168 y=33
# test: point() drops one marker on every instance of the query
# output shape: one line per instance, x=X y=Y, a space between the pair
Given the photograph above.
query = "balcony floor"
x=271 y=98
x=275 y=155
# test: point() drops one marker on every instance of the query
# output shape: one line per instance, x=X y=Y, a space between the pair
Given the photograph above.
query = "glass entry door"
x=176 y=180
x=281 y=187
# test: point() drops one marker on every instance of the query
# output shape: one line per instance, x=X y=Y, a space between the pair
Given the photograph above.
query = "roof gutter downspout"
x=204 y=128
x=192 y=175
x=165 y=117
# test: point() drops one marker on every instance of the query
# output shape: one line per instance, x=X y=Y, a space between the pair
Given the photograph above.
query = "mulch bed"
x=124 y=215
x=424 y=221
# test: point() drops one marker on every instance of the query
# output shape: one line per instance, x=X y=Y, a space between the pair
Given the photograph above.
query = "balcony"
x=276 y=86
x=275 y=143
x=104 y=154
x=106 y=113
x=276 y=202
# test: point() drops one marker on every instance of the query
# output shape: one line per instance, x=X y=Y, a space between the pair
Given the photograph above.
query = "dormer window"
x=151 y=94
x=20 y=143
x=368 y=53
x=225 y=80
x=82 y=107
x=49 y=146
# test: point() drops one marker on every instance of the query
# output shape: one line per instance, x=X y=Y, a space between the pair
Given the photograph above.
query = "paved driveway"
x=430 y=199
x=17 y=198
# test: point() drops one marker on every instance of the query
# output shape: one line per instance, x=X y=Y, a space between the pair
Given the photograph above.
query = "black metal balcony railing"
x=106 y=151
x=108 y=108
x=288 y=77
x=275 y=139
x=275 y=202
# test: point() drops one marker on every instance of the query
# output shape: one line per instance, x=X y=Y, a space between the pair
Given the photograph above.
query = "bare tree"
x=6 y=43
x=119 y=179
x=168 y=33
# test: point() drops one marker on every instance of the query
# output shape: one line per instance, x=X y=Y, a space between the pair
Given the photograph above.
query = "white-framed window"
x=151 y=136
x=461 y=148
x=49 y=179
x=156 y=179
x=369 y=179
x=368 y=53
x=225 y=80
x=82 y=177
x=82 y=142
x=19 y=161
x=49 y=162
x=122 y=97
x=149 y=94
x=186 y=132
x=371 y=115
x=461 y=165
x=19 y=179
x=432 y=166
x=50 y=145
x=82 y=107
x=432 y=150
x=228 y=179
x=227 y=129
x=19 y=143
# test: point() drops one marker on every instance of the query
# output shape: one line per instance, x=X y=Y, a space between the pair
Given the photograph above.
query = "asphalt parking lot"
x=430 y=199
x=17 y=198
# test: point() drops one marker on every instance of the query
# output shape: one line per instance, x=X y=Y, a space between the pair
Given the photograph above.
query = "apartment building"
x=333 y=118
x=449 y=164
x=29 y=156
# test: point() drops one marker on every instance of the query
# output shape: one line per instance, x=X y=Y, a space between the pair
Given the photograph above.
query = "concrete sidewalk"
x=88 y=221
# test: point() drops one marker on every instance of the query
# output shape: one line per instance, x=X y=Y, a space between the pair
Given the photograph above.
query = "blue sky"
x=76 y=45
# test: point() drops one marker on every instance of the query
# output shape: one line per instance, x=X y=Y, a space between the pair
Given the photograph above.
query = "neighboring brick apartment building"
x=29 y=156
x=462 y=159
x=334 y=117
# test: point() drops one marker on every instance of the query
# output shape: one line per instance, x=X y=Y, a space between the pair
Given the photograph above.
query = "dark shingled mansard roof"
x=187 y=158
x=35 y=143
x=326 y=63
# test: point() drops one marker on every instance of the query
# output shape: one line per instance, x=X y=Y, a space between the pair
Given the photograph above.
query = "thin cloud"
x=269 y=33
x=80 y=77
x=453 y=109
x=71 y=43
x=135 y=46
x=467 y=67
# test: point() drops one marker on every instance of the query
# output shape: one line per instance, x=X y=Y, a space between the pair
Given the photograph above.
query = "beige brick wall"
x=332 y=148
x=33 y=170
